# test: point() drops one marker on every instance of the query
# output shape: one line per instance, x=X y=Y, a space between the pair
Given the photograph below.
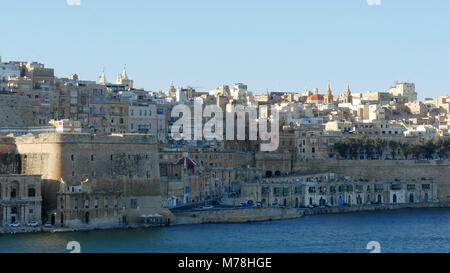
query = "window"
x=72 y=157
x=116 y=202
x=96 y=203
x=61 y=203
x=134 y=203
x=86 y=203
x=75 y=204
x=106 y=203
x=13 y=193
x=13 y=210
x=92 y=157
x=31 y=192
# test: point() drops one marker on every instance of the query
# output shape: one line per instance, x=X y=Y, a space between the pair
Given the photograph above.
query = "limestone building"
x=118 y=163
x=20 y=199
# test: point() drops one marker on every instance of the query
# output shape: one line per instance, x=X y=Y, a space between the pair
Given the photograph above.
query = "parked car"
x=32 y=224
x=15 y=224
x=48 y=225
x=310 y=206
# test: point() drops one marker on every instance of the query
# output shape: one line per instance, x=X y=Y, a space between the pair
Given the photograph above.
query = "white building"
x=404 y=91
x=142 y=118
x=7 y=70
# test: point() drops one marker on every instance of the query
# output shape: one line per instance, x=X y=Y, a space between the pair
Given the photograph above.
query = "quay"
x=235 y=215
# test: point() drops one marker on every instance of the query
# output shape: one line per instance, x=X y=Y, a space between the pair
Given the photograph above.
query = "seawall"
x=333 y=210
x=236 y=215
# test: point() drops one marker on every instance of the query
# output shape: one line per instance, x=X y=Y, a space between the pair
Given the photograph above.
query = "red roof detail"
x=190 y=163
x=315 y=97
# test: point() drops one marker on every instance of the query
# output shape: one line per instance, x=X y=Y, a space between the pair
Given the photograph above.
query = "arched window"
x=14 y=189
x=394 y=198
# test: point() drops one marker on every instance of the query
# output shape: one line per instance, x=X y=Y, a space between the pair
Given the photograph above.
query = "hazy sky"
x=275 y=45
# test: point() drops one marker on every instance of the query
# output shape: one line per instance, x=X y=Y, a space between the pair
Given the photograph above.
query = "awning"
x=166 y=213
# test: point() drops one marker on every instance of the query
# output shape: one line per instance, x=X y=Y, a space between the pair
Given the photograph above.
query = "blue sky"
x=269 y=45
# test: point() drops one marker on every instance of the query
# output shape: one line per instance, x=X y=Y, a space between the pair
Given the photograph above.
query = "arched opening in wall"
x=14 y=189
x=310 y=201
x=86 y=218
x=394 y=198
x=322 y=201
x=359 y=200
x=411 y=198
x=426 y=197
x=379 y=200
x=285 y=202
x=277 y=173
x=296 y=202
x=268 y=173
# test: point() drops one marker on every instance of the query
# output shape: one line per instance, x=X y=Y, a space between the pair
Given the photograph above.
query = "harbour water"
x=407 y=230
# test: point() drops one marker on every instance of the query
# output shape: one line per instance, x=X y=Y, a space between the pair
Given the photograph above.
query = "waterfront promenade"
x=237 y=215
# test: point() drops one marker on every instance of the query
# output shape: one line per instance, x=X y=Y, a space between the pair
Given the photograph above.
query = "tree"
x=417 y=148
x=393 y=146
x=341 y=149
x=368 y=145
x=380 y=145
x=429 y=149
x=353 y=147
x=440 y=147
x=406 y=149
